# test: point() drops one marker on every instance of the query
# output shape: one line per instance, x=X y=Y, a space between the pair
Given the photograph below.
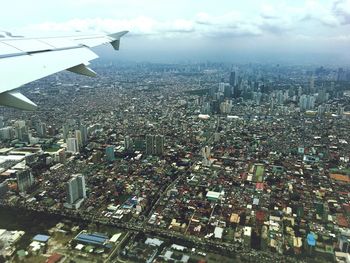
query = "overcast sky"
x=169 y=30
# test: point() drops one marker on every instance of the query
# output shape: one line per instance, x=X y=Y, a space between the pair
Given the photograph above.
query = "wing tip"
x=118 y=35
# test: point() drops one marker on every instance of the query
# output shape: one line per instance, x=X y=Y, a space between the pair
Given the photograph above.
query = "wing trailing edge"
x=36 y=58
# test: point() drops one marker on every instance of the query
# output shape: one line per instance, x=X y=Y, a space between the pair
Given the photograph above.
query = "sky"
x=310 y=31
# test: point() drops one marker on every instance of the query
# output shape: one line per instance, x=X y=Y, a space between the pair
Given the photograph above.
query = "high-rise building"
x=206 y=156
x=222 y=87
x=306 y=102
x=155 y=144
x=6 y=133
x=312 y=84
x=159 y=145
x=226 y=106
x=65 y=131
x=81 y=186
x=110 y=157
x=61 y=156
x=149 y=144
x=227 y=91
x=25 y=180
x=340 y=110
x=76 y=191
x=72 y=145
x=127 y=143
x=233 y=79
x=79 y=138
x=3 y=188
x=84 y=133
x=41 y=129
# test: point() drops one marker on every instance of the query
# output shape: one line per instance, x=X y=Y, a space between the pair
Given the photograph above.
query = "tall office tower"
x=127 y=143
x=4 y=188
x=41 y=129
x=110 y=157
x=149 y=144
x=20 y=129
x=212 y=91
x=222 y=87
x=81 y=186
x=159 y=145
x=76 y=191
x=206 y=107
x=61 y=156
x=84 y=133
x=280 y=97
x=340 y=110
x=65 y=131
x=322 y=95
x=321 y=110
x=312 y=84
x=25 y=180
x=306 y=102
x=72 y=191
x=300 y=91
x=206 y=156
x=6 y=133
x=20 y=133
x=79 y=138
x=226 y=106
x=233 y=79
x=341 y=74
x=72 y=145
x=228 y=91
x=154 y=144
x=238 y=90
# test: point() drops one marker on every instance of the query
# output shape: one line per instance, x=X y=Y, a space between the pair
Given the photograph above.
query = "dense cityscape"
x=196 y=162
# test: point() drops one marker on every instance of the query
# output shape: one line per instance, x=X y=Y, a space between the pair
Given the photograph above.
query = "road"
x=116 y=249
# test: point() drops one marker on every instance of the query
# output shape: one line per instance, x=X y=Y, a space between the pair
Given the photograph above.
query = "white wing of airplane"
x=23 y=60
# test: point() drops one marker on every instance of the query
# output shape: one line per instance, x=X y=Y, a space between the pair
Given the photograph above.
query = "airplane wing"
x=23 y=60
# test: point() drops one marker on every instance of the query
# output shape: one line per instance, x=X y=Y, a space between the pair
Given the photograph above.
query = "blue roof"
x=96 y=239
x=311 y=239
x=41 y=238
x=99 y=235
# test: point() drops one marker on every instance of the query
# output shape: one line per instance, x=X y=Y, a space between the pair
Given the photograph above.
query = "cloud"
x=341 y=9
x=279 y=19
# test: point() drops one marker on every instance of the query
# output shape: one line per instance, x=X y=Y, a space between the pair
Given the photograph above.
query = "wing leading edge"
x=23 y=60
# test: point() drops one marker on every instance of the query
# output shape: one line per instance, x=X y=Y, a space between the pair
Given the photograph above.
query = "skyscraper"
x=159 y=145
x=41 y=129
x=24 y=180
x=72 y=145
x=127 y=143
x=65 y=131
x=312 y=84
x=84 y=134
x=306 y=102
x=76 y=191
x=149 y=144
x=206 y=156
x=79 y=138
x=110 y=157
x=154 y=144
x=233 y=79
